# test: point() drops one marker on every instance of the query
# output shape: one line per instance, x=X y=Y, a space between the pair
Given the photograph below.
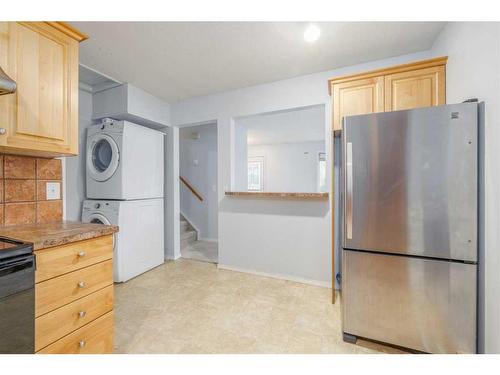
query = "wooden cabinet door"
x=357 y=98
x=415 y=88
x=41 y=117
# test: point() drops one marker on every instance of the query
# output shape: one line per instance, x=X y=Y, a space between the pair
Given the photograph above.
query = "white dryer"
x=124 y=161
x=138 y=245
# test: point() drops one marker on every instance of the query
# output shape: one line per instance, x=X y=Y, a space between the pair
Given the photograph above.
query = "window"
x=256 y=173
x=322 y=172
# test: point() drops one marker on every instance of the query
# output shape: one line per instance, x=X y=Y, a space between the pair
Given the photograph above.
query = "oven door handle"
x=17 y=265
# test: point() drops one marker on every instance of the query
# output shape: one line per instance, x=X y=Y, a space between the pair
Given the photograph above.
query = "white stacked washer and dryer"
x=125 y=188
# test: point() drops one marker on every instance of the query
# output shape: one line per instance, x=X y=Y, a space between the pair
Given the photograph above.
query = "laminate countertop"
x=55 y=234
x=282 y=195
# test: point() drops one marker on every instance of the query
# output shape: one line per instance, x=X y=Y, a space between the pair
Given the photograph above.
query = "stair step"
x=184 y=226
x=188 y=235
x=187 y=239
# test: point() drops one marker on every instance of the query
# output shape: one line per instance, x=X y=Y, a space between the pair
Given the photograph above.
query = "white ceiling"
x=300 y=125
x=176 y=60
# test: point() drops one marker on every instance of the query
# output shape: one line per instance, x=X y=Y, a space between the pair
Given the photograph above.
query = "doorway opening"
x=198 y=192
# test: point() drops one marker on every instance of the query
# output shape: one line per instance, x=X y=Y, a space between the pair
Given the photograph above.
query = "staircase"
x=191 y=248
x=188 y=234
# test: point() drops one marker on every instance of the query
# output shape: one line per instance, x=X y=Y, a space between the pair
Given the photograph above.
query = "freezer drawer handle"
x=349 y=184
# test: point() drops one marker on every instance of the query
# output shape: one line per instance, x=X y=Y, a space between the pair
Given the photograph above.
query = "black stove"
x=11 y=248
x=17 y=297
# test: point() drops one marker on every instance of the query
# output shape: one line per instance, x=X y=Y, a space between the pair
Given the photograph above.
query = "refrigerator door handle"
x=349 y=185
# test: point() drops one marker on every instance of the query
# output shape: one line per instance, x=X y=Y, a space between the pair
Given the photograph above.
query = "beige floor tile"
x=188 y=306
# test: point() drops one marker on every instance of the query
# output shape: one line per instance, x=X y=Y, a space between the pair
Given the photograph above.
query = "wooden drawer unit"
x=66 y=319
x=93 y=338
x=73 y=283
x=59 y=260
x=59 y=291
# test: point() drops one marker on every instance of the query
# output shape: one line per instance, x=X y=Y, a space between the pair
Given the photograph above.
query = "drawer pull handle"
x=81 y=284
x=82 y=314
x=81 y=254
x=82 y=343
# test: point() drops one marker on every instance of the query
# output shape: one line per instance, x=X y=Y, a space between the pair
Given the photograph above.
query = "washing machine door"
x=96 y=218
x=103 y=157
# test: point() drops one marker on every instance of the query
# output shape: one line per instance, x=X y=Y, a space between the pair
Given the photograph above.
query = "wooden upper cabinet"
x=41 y=118
x=415 y=88
x=357 y=98
x=414 y=85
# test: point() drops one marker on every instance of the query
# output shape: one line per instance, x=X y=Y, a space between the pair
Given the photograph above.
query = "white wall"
x=203 y=177
x=172 y=198
x=240 y=152
x=286 y=238
x=75 y=165
x=289 y=167
x=473 y=71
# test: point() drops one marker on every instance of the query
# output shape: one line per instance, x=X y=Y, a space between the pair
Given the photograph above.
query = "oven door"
x=17 y=305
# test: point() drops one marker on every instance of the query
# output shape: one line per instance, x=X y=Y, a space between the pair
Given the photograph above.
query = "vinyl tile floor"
x=186 y=306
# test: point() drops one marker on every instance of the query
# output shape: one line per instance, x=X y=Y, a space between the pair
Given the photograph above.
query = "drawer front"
x=418 y=303
x=93 y=338
x=59 y=291
x=58 y=323
x=59 y=260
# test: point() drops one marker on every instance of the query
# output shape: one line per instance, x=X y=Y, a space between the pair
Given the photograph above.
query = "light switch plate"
x=53 y=190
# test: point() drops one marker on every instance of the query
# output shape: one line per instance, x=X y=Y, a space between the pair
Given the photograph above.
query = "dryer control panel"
x=101 y=206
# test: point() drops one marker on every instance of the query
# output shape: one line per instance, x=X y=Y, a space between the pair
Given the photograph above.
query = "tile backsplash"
x=23 y=198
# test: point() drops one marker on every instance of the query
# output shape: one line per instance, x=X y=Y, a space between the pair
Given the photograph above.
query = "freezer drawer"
x=422 y=304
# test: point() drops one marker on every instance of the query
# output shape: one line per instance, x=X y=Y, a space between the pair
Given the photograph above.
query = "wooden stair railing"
x=191 y=188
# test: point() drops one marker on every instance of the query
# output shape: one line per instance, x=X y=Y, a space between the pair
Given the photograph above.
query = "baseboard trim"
x=277 y=276
x=168 y=257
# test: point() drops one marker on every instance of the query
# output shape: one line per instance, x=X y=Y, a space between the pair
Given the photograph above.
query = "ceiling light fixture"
x=312 y=33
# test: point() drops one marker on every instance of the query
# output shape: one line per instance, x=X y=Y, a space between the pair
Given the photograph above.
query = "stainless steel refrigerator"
x=410 y=202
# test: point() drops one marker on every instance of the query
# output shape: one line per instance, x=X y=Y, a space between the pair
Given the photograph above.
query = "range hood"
x=7 y=85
